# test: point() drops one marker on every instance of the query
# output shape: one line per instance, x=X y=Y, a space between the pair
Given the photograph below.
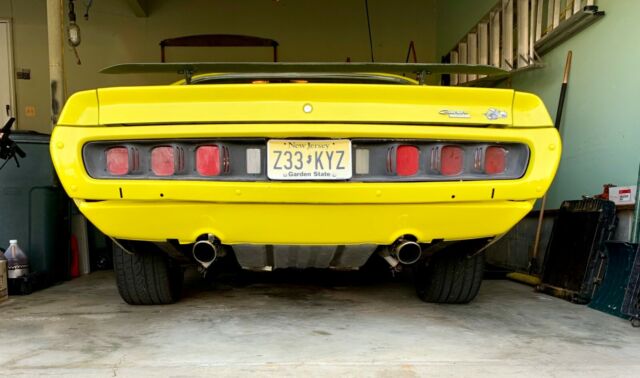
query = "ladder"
x=506 y=37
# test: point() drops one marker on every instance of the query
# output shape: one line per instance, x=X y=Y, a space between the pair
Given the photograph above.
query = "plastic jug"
x=17 y=261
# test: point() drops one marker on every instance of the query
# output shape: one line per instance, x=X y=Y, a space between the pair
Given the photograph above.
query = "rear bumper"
x=302 y=224
x=304 y=213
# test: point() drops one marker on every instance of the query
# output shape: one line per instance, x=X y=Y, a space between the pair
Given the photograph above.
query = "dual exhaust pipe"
x=403 y=251
x=206 y=252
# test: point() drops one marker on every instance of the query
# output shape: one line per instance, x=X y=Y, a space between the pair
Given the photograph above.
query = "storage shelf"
x=568 y=28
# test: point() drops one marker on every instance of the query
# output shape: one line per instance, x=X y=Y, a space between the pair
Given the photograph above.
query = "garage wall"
x=30 y=33
x=307 y=30
x=601 y=128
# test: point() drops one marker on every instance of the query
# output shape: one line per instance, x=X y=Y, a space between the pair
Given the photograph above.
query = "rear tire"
x=452 y=277
x=147 y=277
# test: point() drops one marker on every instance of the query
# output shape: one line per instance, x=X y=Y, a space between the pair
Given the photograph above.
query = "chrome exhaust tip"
x=205 y=253
x=406 y=252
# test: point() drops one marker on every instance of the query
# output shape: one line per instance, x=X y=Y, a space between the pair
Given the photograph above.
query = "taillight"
x=118 y=161
x=407 y=160
x=208 y=160
x=451 y=160
x=163 y=161
x=495 y=161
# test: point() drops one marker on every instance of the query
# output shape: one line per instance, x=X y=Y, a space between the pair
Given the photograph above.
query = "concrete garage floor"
x=296 y=324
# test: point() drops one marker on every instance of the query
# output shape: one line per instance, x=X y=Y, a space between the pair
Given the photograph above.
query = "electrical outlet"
x=24 y=74
x=30 y=111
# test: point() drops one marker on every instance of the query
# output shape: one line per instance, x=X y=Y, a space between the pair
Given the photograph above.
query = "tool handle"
x=563 y=90
x=563 y=94
x=567 y=68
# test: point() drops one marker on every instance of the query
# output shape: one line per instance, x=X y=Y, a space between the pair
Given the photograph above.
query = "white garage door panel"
x=6 y=85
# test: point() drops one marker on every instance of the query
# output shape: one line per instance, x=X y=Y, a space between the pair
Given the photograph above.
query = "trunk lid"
x=296 y=103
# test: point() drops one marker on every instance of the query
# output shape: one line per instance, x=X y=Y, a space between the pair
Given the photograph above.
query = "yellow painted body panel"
x=275 y=103
x=302 y=224
x=315 y=213
x=420 y=204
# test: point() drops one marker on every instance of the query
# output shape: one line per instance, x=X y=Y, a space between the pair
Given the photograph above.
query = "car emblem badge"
x=495 y=114
x=455 y=113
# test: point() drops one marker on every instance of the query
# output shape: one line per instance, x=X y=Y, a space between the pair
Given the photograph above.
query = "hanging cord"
x=62 y=53
x=87 y=6
x=366 y=7
x=73 y=32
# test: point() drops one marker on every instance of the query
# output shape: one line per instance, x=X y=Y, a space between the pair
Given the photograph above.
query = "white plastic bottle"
x=17 y=261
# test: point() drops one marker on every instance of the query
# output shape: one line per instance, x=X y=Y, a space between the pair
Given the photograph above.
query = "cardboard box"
x=623 y=195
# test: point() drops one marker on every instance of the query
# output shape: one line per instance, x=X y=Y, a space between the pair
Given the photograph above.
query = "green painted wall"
x=601 y=127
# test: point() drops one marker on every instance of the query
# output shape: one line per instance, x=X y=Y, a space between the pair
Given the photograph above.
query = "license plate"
x=309 y=159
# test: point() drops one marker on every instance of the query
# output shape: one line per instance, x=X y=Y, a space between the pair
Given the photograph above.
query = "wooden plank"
x=566 y=10
x=549 y=26
x=462 y=56
x=556 y=13
x=539 y=15
x=507 y=34
x=472 y=53
x=454 y=60
x=139 y=7
x=483 y=44
x=532 y=29
x=494 y=38
x=523 y=33
x=577 y=6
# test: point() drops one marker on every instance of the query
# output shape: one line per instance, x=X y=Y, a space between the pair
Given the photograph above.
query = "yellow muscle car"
x=288 y=165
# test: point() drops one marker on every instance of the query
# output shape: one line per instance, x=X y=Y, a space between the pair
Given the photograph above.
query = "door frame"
x=12 y=83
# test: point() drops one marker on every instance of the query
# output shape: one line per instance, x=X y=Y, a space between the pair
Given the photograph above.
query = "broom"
x=531 y=278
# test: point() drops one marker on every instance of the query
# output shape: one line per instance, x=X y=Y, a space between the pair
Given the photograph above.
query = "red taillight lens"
x=118 y=161
x=208 y=160
x=163 y=161
x=495 y=160
x=451 y=160
x=407 y=160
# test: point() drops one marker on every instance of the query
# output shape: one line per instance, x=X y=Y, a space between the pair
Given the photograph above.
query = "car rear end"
x=304 y=174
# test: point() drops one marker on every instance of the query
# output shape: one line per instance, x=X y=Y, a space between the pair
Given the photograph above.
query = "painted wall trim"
x=12 y=79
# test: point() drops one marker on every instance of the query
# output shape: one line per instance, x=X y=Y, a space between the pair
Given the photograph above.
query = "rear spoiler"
x=420 y=69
